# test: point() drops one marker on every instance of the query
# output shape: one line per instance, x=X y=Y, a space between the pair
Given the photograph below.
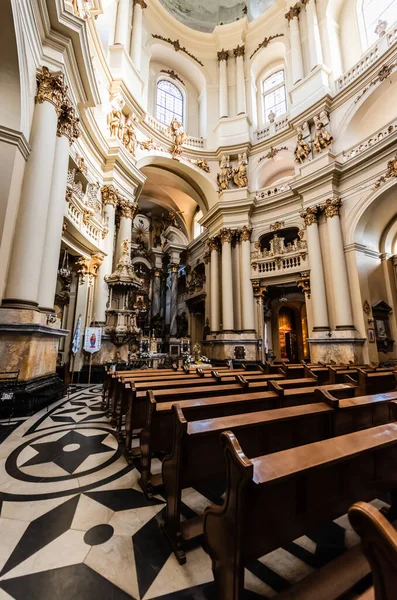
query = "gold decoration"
x=240 y=174
x=384 y=73
x=127 y=209
x=51 y=88
x=88 y=266
x=265 y=43
x=304 y=283
x=207 y=257
x=68 y=123
x=129 y=137
x=115 y=117
x=213 y=244
x=391 y=171
x=245 y=233
x=225 y=175
x=225 y=235
x=110 y=195
x=239 y=51
x=202 y=164
x=141 y=3
x=178 y=137
x=81 y=166
x=277 y=226
x=177 y=47
x=223 y=55
x=310 y=215
x=292 y=12
x=302 y=149
x=331 y=208
x=272 y=153
x=173 y=75
x=322 y=138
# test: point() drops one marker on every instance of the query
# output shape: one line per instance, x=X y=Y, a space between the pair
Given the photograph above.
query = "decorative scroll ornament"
x=304 y=283
x=384 y=73
x=127 y=209
x=310 y=215
x=226 y=235
x=223 y=55
x=240 y=174
x=88 y=267
x=391 y=171
x=277 y=226
x=51 y=88
x=171 y=73
x=245 y=233
x=331 y=208
x=110 y=195
x=323 y=138
x=272 y=153
x=225 y=174
x=178 y=137
x=92 y=199
x=68 y=123
x=265 y=43
x=129 y=137
x=177 y=47
x=302 y=149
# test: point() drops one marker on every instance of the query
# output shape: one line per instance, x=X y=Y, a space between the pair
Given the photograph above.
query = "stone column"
x=122 y=29
x=215 y=298
x=317 y=281
x=173 y=298
x=127 y=213
x=296 y=45
x=236 y=266
x=66 y=133
x=136 y=37
x=340 y=288
x=207 y=262
x=109 y=200
x=223 y=56
x=247 y=300
x=30 y=232
x=313 y=34
x=240 y=80
x=260 y=322
x=227 y=281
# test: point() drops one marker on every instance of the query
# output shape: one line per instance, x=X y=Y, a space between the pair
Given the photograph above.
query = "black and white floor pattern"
x=74 y=523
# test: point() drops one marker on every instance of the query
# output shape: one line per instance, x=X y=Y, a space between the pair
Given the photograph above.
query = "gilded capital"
x=141 y=3
x=331 y=208
x=226 y=235
x=245 y=233
x=109 y=195
x=127 y=209
x=292 y=12
x=223 y=55
x=51 y=88
x=68 y=123
x=207 y=258
x=239 y=51
x=88 y=267
x=310 y=215
x=213 y=244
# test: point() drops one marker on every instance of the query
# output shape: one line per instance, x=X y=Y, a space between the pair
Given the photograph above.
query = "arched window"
x=274 y=96
x=169 y=102
x=374 y=17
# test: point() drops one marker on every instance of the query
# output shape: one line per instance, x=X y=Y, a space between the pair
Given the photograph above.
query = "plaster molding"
x=15 y=138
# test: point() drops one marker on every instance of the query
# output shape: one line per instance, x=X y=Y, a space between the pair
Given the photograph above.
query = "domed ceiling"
x=205 y=15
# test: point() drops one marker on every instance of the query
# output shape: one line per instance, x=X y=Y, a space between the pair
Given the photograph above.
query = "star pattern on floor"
x=105 y=540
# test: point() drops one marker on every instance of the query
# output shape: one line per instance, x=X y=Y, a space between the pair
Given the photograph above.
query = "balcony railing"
x=192 y=142
x=371 y=56
x=272 y=128
x=370 y=141
x=84 y=210
x=272 y=191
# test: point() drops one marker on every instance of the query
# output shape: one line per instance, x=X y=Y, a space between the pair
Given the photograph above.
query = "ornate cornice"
x=265 y=43
x=310 y=215
x=226 y=235
x=331 y=208
x=239 y=51
x=51 y=88
x=110 y=195
x=245 y=233
x=68 y=123
x=223 y=55
x=177 y=46
x=292 y=12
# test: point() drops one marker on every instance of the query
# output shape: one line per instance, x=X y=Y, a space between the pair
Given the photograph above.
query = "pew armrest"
x=322 y=395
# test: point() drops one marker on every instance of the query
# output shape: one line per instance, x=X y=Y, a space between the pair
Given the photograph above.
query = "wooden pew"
x=293 y=371
x=379 y=544
x=274 y=499
x=376 y=382
x=291 y=397
x=321 y=373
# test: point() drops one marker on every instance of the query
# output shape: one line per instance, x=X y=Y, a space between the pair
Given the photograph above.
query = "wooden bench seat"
x=291 y=397
x=376 y=382
x=274 y=499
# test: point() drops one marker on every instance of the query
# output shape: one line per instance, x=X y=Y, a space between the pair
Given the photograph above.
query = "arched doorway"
x=287 y=334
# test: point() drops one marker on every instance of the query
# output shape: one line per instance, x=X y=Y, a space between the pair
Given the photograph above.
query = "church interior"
x=198 y=279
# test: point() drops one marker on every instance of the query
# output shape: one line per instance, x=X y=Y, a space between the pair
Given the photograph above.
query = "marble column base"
x=28 y=343
x=222 y=345
x=338 y=349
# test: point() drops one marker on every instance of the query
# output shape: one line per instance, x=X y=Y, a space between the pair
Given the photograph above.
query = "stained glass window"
x=169 y=102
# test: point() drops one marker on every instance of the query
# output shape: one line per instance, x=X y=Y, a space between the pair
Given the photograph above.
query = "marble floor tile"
x=11 y=532
x=90 y=513
x=128 y=522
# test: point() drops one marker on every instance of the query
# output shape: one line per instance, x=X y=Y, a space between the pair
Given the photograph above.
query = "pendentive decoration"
x=177 y=47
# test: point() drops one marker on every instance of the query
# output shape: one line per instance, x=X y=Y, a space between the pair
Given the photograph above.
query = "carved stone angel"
x=323 y=138
x=240 y=177
x=302 y=149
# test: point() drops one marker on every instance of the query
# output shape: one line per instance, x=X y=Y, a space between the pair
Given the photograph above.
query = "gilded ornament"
x=213 y=244
x=202 y=164
x=239 y=51
x=178 y=137
x=225 y=174
x=293 y=12
x=366 y=307
x=177 y=46
x=223 y=55
x=81 y=166
x=207 y=257
x=129 y=137
x=51 y=88
x=141 y=3
x=226 y=235
x=310 y=215
x=173 y=75
x=272 y=153
x=304 y=283
x=68 y=123
x=240 y=173
x=322 y=138
x=110 y=195
x=277 y=225
x=127 y=209
x=88 y=267
x=302 y=149
x=331 y=208
x=245 y=233
x=391 y=171
x=265 y=43
x=115 y=117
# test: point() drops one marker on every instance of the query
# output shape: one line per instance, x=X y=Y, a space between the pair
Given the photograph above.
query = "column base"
x=27 y=343
x=338 y=349
x=19 y=303
x=232 y=345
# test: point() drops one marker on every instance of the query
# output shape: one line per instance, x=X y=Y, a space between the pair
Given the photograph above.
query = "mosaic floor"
x=74 y=523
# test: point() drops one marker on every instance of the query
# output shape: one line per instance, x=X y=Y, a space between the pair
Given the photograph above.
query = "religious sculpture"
x=225 y=174
x=178 y=136
x=240 y=176
x=322 y=138
x=196 y=351
x=115 y=118
x=202 y=164
x=302 y=149
x=129 y=137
